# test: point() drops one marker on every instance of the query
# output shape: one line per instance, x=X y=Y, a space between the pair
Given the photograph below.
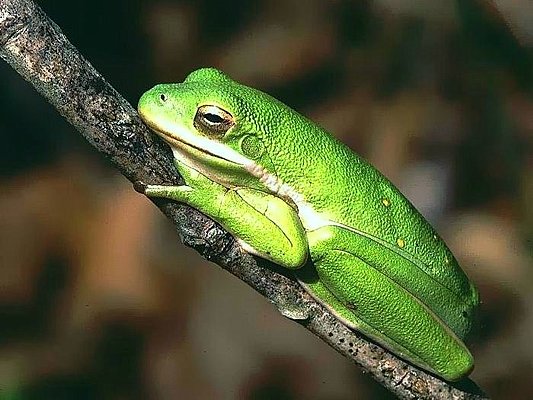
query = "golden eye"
x=213 y=120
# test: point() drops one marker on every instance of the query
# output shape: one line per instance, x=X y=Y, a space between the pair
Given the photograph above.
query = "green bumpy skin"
x=291 y=193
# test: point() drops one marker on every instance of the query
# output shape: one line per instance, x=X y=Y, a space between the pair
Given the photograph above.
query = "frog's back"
x=357 y=196
x=344 y=188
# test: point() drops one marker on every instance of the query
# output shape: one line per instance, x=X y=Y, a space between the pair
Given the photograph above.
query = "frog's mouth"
x=179 y=138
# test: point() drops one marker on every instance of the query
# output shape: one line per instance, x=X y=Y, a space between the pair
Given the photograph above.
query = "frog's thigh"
x=366 y=299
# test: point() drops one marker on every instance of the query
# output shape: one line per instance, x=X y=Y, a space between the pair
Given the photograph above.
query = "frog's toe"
x=140 y=186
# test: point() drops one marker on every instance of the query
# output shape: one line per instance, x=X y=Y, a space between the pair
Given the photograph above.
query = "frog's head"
x=219 y=127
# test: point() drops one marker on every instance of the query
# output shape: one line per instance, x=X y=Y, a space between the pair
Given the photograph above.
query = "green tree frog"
x=291 y=193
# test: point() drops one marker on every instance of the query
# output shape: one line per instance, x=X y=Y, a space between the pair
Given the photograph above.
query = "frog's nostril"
x=163 y=97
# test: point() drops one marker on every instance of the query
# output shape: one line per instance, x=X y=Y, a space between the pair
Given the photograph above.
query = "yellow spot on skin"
x=386 y=202
x=401 y=243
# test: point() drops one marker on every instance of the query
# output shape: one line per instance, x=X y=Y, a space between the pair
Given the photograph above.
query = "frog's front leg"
x=263 y=224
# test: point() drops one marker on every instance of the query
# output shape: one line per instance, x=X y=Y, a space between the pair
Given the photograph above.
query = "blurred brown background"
x=99 y=300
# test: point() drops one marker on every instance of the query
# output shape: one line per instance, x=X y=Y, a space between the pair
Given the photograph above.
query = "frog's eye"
x=213 y=120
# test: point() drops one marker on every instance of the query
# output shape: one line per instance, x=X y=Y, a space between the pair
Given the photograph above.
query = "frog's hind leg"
x=364 y=298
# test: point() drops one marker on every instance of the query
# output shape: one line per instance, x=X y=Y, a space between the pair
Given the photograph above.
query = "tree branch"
x=37 y=49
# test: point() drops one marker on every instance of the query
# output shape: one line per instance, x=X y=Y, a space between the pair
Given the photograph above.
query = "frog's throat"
x=178 y=137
